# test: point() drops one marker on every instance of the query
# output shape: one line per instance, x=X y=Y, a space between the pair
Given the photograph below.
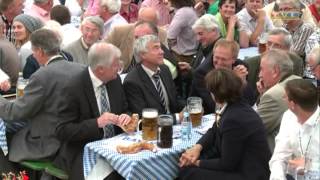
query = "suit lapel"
x=89 y=92
x=146 y=81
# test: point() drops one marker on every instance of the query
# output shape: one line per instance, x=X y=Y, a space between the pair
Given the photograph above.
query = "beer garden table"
x=162 y=164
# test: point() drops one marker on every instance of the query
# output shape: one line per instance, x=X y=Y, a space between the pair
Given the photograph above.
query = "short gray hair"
x=208 y=22
x=141 y=45
x=315 y=53
x=282 y=31
x=47 y=40
x=102 y=54
x=295 y=3
x=113 y=6
x=280 y=58
x=96 y=20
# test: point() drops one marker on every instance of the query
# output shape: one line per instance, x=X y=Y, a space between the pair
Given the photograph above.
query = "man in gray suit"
x=276 y=69
x=40 y=102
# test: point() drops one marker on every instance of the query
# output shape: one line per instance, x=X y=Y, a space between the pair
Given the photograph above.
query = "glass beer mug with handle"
x=164 y=138
x=194 y=108
x=21 y=84
x=149 y=124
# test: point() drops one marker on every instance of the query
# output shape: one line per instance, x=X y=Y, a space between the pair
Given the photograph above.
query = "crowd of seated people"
x=90 y=64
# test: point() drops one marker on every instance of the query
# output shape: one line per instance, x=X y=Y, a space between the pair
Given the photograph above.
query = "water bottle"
x=186 y=127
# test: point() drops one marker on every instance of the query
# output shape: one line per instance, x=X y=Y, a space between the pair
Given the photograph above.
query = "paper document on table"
x=207 y=123
x=3 y=76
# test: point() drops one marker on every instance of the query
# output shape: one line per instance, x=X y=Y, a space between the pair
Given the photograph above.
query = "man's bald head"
x=148 y=14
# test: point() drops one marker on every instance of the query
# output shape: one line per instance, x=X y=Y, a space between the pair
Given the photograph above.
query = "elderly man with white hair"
x=92 y=30
x=149 y=84
x=109 y=12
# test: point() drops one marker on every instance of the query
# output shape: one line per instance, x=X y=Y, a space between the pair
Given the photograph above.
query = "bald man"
x=123 y=36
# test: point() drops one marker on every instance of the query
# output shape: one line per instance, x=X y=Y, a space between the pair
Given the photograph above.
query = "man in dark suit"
x=93 y=100
x=39 y=104
x=149 y=84
x=225 y=55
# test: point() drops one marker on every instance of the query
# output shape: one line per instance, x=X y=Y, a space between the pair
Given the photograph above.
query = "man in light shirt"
x=297 y=144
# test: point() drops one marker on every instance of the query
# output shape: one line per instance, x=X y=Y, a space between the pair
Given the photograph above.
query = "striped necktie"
x=156 y=78
x=105 y=107
x=3 y=139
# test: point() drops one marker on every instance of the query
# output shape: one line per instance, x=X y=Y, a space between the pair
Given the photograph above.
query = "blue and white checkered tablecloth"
x=3 y=139
x=143 y=165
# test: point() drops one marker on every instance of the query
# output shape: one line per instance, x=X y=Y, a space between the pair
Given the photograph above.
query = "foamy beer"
x=149 y=124
x=262 y=45
x=194 y=107
x=20 y=87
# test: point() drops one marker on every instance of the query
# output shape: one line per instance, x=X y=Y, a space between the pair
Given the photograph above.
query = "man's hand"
x=123 y=119
x=191 y=156
x=107 y=118
x=5 y=85
x=233 y=21
x=261 y=15
x=260 y=87
x=241 y=71
x=184 y=66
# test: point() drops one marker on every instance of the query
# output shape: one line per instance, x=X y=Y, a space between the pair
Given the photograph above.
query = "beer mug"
x=262 y=46
x=164 y=138
x=149 y=124
x=21 y=84
x=194 y=107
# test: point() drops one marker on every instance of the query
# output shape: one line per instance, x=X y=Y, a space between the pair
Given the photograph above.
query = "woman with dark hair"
x=228 y=22
x=182 y=40
x=236 y=146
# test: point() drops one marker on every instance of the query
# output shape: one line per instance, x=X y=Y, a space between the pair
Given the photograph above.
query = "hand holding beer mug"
x=164 y=138
x=149 y=124
x=194 y=107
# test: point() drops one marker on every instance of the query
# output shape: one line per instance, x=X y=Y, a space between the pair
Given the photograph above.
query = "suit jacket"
x=79 y=113
x=237 y=147
x=39 y=107
x=198 y=87
x=123 y=38
x=271 y=108
x=254 y=68
x=141 y=92
x=9 y=60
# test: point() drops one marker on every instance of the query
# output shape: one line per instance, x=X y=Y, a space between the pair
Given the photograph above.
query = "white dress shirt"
x=115 y=20
x=96 y=83
x=288 y=144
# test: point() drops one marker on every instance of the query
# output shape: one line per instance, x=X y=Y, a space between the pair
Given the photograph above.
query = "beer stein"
x=149 y=124
x=194 y=108
x=164 y=138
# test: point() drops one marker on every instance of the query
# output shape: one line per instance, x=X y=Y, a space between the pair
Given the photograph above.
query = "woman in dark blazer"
x=235 y=147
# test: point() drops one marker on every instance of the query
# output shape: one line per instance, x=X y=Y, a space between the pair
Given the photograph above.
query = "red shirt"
x=132 y=16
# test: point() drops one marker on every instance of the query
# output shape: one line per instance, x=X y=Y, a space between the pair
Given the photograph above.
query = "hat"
x=29 y=22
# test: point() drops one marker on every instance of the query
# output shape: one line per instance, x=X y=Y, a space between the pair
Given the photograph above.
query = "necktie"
x=105 y=107
x=156 y=78
x=3 y=139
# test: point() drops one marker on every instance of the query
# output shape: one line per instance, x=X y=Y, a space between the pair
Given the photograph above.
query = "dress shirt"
x=96 y=83
x=150 y=73
x=162 y=10
x=52 y=58
x=115 y=20
x=249 y=24
x=38 y=12
x=180 y=29
x=288 y=143
x=313 y=41
x=300 y=36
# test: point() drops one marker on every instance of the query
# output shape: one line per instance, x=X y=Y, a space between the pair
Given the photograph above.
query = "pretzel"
x=136 y=147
